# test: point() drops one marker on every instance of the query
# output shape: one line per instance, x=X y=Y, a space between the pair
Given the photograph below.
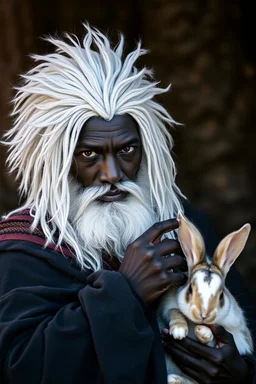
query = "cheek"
x=131 y=169
x=134 y=171
x=83 y=174
x=73 y=169
x=182 y=299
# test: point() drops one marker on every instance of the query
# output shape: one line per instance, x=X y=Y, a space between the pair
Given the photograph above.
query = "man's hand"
x=208 y=365
x=147 y=263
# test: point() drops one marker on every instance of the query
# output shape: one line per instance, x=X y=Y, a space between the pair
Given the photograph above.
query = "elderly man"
x=86 y=257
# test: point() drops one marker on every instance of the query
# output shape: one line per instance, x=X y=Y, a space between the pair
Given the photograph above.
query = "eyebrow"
x=121 y=144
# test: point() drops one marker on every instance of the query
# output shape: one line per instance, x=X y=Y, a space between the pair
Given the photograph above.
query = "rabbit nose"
x=204 y=316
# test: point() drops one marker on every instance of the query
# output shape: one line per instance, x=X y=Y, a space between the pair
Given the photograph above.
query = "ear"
x=230 y=248
x=191 y=241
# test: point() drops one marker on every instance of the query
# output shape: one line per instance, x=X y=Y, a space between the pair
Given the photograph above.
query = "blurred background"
x=206 y=49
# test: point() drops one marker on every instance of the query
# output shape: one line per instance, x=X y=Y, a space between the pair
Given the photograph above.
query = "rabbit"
x=204 y=299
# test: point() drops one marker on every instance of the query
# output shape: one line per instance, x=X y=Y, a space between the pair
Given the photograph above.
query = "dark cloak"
x=61 y=325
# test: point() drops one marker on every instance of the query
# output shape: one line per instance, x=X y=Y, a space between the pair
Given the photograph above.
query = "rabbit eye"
x=190 y=289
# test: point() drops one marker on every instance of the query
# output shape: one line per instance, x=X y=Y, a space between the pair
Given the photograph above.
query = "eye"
x=88 y=154
x=127 y=149
x=190 y=290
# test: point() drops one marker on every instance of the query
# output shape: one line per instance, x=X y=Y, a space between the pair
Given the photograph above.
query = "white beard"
x=110 y=226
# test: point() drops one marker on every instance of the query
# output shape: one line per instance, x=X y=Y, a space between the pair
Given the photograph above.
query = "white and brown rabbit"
x=204 y=299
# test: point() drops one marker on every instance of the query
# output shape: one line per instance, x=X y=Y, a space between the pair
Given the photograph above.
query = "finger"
x=203 y=378
x=165 y=332
x=199 y=376
x=194 y=362
x=175 y=279
x=222 y=335
x=196 y=348
x=168 y=246
x=184 y=268
x=158 y=229
x=173 y=262
x=172 y=279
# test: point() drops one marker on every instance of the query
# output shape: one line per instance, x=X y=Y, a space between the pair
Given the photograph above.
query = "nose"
x=110 y=171
x=204 y=315
x=207 y=316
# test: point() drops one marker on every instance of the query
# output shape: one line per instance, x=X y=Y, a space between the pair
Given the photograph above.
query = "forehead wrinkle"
x=104 y=137
x=103 y=131
x=105 y=141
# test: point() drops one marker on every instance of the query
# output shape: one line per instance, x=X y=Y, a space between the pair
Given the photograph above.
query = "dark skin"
x=146 y=267
x=205 y=364
x=109 y=152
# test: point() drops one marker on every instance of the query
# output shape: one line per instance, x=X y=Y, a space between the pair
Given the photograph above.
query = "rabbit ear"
x=191 y=241
x=230 y=248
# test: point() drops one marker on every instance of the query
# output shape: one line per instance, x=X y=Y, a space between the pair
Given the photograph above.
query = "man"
x=85 y=259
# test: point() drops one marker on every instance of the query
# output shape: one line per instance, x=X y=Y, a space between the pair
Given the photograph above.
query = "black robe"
x=58 y=327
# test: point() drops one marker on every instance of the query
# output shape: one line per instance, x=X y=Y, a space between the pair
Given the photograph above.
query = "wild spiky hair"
x=65 y=89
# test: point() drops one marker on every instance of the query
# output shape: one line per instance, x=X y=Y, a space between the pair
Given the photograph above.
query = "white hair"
x=65 y=89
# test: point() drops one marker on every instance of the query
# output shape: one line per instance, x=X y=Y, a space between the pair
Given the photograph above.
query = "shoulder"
x=25 y=264
x=17 y=227
x=24 y=259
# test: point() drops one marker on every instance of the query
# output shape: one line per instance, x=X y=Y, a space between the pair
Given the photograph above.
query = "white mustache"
x=90 y=194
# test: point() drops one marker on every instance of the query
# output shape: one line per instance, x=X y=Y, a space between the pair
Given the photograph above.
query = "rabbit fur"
x=204 y=299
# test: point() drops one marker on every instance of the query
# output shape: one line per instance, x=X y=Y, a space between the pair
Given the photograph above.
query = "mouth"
x=202 y=320
x=113 y=195
x=208 y=320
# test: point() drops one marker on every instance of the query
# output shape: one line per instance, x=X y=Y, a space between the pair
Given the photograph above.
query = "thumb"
x=221 y=334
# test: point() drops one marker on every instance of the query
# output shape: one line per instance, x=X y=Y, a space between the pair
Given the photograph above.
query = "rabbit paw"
x=176 y=379
x=204 y=334
x=178 y=331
